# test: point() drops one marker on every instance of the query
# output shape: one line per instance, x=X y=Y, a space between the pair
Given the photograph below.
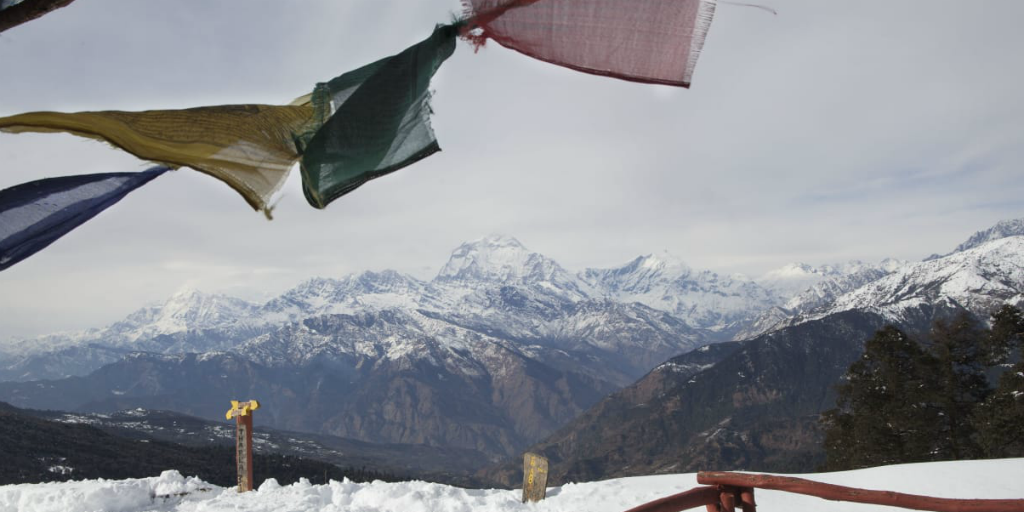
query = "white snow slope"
x=172 y=492
x=979 y=279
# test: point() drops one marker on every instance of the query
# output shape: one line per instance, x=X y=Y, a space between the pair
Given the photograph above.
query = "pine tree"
x=1006 y=334
x=883 y=414
x=957 y=346
x=900 y=403
x=1000 y=418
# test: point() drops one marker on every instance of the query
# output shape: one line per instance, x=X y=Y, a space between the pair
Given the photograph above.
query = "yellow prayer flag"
x=249 y=147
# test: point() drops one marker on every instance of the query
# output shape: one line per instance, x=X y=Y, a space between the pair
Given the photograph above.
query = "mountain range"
x=494 y=286
x=754 y=404
x=504 y=347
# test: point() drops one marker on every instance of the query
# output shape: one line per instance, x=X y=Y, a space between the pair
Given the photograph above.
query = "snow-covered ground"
x=173 y=492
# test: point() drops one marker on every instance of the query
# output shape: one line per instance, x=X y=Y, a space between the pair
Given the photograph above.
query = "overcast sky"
x=835 y=130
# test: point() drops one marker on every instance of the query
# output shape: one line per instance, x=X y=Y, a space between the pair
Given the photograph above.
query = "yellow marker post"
x=535 y=477
x=242 y=412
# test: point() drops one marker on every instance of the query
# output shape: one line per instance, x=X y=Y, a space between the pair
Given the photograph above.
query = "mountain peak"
x=890 y=265
x=491 y=258
x=186 y=291
x=978 y=279
x=187 y=309
x=663 y=261
x=498 y=240
x=1002 y=229
x=366 y=289
x=189 y=298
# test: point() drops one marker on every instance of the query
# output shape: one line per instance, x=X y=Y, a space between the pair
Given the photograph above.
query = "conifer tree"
x=883 y=414
x=1000 y=418
x=1006 y=334
x=954 y=413
x=961 y=384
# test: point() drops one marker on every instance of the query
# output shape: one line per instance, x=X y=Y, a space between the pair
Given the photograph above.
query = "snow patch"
x=170 y=492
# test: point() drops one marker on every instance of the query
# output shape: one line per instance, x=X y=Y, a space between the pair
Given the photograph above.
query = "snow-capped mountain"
x=1002 y=229
x=371 y=291
x=802 y=284
x=503 y=260
x=644 y=276
x=828 y=293
x=500 y=349
x=977 y=280
x=837 y=282
x=188 y=310
x=810 y=288
x=756 y=403
x=495 y=286
x=188 y=313
x=791 y=279
x=703 y=299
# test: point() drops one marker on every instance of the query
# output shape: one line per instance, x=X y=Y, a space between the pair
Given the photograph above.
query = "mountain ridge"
x=497 y=352
x=464 y=290
x=756 y=407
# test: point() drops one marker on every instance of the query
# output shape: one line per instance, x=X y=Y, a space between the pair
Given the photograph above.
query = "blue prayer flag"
x=33 y=215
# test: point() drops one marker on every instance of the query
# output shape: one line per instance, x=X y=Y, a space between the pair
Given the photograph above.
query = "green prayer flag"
x=380 y=121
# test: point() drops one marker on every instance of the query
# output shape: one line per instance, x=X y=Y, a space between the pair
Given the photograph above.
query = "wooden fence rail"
x=725 y=492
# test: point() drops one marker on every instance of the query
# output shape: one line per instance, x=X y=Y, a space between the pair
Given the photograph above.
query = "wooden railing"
x=725 y=492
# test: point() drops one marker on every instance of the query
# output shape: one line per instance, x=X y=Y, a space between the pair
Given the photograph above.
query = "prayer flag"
x=380 y=122
x=375 y=120
x=16 y=12
x=33 y=215
x=650 y=41
x=250 y=147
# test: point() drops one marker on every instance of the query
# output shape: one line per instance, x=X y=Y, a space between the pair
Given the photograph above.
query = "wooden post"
x=747 y=499
x=242 y=412
x=535 y=477
x=727 y=499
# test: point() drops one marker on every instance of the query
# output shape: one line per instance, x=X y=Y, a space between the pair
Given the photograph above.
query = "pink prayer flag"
x=650 y=41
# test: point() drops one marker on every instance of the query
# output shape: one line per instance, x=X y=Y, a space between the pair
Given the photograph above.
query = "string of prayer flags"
x=380 y=120
x=33 y=215
x=375 y=120
x=649 y=41
x=250 y=147
x=361 y=125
